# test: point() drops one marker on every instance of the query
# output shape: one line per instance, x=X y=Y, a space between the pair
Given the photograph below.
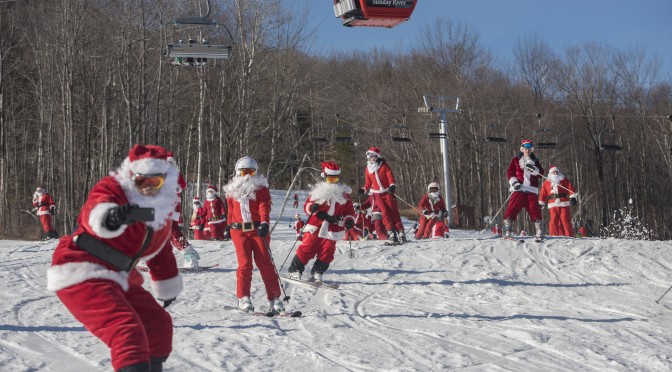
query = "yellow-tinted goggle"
x=332 y=179
x=148 y=181
x=246 y=171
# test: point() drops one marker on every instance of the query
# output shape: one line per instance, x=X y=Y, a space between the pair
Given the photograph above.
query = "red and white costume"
x=557 y=191
x=376 y=223
x=432 y=207
x=215 y=214
x=298 y=226
x=379 y=178
x=439 y=230
x=526 y=196
x=112 y=303
x=198 y=220
x=44 y=204
x=249 y=202
x=178 y=239
x=296 y=200
x=320 y=236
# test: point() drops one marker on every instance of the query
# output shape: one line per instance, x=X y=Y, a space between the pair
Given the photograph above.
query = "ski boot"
x=244 y=304
x=191 y=257
x=276 y=306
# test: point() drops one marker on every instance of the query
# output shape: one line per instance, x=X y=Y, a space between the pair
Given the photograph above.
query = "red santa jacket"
x=248 y=199
x=434 y=206
x=517 y=172
x=214 y=210
x=298 y=226
x=334 y=199
x=378 y=177
x=43 y=203
x=72 y=264
x=198 y=219
x=181 y=185
x=555 y=195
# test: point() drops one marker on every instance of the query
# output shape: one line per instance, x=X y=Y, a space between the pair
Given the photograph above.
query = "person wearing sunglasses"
x=249 y=204
x=380 y=182
x=433 y=210
x=330 y=212
x=125 y=219
x=524 y=176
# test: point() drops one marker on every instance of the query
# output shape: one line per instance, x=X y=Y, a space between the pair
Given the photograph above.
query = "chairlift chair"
x=495 y=133
x=374 y=13
x=609 y=140
x=400 y=133
x=342 y=133
x=317 y=135
x=545 y=138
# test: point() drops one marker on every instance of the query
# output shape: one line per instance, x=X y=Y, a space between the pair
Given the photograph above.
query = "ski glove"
x=335 y=219
x=167 y=303
x=52 y=210
x=349 y=224
x=444 y=214
x=572 y=201
x=516 y=186
x=541 y=207
x=361 y=191
x=322 y=215
x=116 y=216
x=530 y=168
x=314 y=207
x=392 y=188
x=263 y=230
x=425 y=213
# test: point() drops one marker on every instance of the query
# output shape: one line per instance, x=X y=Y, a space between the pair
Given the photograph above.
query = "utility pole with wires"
x=443 y=105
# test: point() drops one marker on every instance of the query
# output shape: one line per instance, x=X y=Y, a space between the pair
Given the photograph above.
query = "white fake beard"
x=245 y=186
x=556 y=178
x=330 y=192
x=163 y=202
x=372 y=167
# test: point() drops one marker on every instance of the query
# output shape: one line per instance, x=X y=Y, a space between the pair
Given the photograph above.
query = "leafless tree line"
x=81 y=81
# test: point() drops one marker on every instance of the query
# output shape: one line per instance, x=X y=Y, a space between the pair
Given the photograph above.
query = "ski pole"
x=405 y=202
x=546 y=178
x=351 y=254
x=277 y=274
x=296 y=241
x=500 y=209
x=661 y=297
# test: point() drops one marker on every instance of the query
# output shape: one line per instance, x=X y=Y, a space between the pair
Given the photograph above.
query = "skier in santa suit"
x=357 y=231
x=560 y=194
x=44 y=206
x=215 y=214
x=439 y=230
x=249 y=204
x=380 y=181
x=376 y=218
x=198 y=220
x=178 y=240
x=296 y=200
x=331 y=213
x=298 y=226
x=433 y=209
x=524 y=176
x=93 y=269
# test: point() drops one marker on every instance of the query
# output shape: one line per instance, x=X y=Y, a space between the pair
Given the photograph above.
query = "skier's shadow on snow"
x=500 y=318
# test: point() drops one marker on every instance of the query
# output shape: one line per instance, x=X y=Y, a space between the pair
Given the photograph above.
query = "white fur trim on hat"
x=150 y=166
x=331 y=172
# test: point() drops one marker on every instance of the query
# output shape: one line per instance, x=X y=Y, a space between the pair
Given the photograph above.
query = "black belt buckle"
x=247 y=226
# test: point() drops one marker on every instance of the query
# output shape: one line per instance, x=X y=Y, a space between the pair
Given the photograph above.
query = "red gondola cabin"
x=374 y=13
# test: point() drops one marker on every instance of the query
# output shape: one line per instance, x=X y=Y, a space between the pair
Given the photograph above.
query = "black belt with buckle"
x=557 y=196
x=245 y=226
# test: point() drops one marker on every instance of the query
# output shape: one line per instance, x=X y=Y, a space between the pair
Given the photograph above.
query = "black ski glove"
x=314 y=207
x=361 y=191
x=349 y=224
x=52 y=210
x=167 y=303
x=322 y=215
x=263 y=230
x=444 y=214
x=530 y=167
x=425 y=213
x=116 y=216
x=335 y=219
x=516 y=186
x=392 y=188
x=572 y=201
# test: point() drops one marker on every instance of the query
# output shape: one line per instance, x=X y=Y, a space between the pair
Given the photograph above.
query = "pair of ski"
x=519 y=241
x=314 y=284
x=267 y=314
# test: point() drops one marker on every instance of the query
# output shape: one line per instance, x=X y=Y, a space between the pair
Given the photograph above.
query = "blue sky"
x=502 y=23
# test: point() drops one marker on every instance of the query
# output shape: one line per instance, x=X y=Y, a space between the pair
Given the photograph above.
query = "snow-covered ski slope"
x=464 y=303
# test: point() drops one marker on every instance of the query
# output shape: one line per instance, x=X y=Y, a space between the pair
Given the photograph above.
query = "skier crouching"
x=93 y=270
x=331 y=212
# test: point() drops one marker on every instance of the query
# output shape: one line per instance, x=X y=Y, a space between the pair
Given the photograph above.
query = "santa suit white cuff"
x=513 y=180
x=168 y=288
x=97 y=218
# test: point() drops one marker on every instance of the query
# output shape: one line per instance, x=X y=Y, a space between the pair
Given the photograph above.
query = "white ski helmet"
x=433 y=184
x=246 y=162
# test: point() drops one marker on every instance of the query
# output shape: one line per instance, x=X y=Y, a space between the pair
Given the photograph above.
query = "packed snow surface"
x=468 y=302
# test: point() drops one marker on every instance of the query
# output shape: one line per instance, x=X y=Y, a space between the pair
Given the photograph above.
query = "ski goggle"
x=246 y=171
x=527 y=145
x=148 y=181
x=332 y=179
x=433 y=189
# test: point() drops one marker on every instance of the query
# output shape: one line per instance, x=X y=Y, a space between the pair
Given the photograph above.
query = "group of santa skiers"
x=134 y=214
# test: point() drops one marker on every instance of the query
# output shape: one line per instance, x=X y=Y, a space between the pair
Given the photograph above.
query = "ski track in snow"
x=467 y=302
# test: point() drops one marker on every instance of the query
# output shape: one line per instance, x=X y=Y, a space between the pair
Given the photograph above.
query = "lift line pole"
x=439 y=104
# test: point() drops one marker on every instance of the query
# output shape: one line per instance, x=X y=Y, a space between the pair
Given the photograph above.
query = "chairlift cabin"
x=374 y=13
x=609 y=140
x=400 y=133
x=495 y=133
x=545 y=138
x=194 y=51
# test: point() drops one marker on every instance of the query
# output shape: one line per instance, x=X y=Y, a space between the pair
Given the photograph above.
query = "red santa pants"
x=251 y=247
x=177 y=239
x=199 y=234
x=561 y=222
x=520 y=200
x=381 y=231
x=425 y=228
x=217 y=230
x=354 y=234
x=313 y=246
x=132 y=324
x=46 y=222
x=388 y=206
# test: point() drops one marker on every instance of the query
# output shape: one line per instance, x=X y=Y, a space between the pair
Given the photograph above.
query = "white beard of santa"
x=244 y=187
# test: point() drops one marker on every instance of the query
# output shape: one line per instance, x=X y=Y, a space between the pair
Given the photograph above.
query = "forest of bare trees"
x=81 y=81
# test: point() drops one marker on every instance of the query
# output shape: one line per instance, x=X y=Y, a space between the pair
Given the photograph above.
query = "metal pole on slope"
x=661 y=297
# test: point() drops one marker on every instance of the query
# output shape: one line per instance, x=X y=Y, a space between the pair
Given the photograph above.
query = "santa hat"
x=40 y=189
x=196 y=200
x=329 y=168
x=213 y=188
x=373 y=151
x=553 y=168
x=527 y=144
x=171 y=158
x=149 y=159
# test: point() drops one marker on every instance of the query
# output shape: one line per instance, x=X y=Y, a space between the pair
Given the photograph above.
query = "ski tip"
x=270 y=314
x=296 y=314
